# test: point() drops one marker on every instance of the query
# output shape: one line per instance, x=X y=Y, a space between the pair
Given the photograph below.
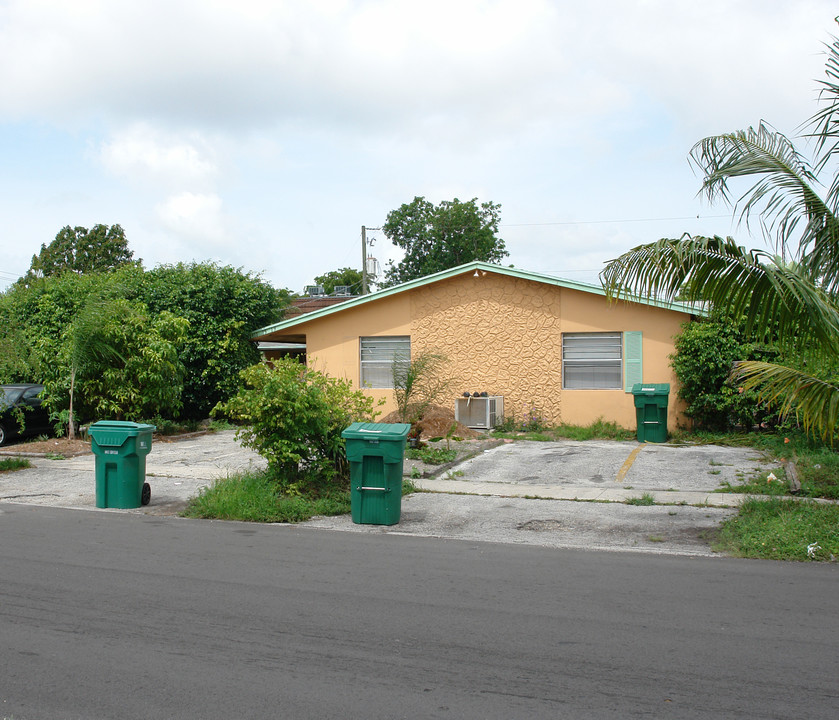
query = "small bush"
x=294 y=416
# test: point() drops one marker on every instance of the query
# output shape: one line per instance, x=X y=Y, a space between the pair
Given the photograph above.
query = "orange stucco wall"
x=503 y=335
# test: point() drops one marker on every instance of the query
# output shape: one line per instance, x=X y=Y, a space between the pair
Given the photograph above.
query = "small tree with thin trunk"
x=418 y=383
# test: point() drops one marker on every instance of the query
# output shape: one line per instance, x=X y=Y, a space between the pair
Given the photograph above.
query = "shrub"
x=706 y=351
x=293 y=416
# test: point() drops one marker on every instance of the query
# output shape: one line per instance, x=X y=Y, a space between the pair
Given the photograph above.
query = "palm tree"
x=790 y=295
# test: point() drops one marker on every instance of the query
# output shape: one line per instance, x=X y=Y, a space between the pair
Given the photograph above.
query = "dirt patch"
x=436 y=422
x=55 y=446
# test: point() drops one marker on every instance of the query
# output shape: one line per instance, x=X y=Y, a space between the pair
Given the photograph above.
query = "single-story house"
x=551 y=347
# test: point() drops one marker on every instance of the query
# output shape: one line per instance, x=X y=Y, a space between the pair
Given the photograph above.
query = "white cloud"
x=145 y=154
x=196 y=219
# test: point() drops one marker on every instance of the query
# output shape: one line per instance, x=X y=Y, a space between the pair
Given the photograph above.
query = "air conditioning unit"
x=343 y=290
x=313 y=290
x=479 y=413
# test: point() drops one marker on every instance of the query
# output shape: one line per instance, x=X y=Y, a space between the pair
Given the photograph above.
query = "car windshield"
x=9 y=396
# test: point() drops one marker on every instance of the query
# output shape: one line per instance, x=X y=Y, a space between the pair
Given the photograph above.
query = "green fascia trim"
x=471 y=268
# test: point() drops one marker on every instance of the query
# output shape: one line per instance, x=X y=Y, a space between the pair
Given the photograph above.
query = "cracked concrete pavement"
x=557 y=494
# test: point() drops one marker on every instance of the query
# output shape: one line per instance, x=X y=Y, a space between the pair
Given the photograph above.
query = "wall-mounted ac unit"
x=479 y=413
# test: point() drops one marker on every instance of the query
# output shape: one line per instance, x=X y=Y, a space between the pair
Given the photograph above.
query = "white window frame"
x=376 y=358
x=592 y=361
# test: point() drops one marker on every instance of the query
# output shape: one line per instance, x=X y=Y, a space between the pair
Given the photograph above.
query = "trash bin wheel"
x=145 y=498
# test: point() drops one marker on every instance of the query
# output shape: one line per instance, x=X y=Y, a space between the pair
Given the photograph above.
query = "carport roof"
x=273 y=332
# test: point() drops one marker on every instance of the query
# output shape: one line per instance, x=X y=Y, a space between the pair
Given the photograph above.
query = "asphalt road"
x=121 y=615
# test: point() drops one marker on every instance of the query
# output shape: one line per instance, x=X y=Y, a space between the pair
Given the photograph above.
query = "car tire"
x=2 y=436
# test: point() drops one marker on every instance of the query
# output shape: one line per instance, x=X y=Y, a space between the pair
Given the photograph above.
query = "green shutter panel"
x=632 y=359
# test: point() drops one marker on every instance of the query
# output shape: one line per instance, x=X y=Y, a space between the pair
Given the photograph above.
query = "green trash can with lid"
x=120 y=449
x=376 y=454
x=651 y=411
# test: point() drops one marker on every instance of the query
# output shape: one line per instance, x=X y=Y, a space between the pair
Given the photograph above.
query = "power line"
x=603 y=222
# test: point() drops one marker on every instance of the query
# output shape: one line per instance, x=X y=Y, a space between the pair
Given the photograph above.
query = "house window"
x=377 y=357
x=591 y=361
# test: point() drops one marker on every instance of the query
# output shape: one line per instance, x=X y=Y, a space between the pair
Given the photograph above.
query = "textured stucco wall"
x=500 y=334
x=503 y=335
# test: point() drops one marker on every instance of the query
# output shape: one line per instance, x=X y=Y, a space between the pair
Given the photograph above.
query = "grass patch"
x=761 y=484
x=817 y=463
x=782 y=529
x=14 y=463
x=598 y=430
x=645 y=499
x=431 y=455
x=255 y=497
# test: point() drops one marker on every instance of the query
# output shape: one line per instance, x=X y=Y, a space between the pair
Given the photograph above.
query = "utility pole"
x=363 y=260
x=364 y=280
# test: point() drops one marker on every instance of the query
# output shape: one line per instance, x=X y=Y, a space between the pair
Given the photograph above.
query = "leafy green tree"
x=223 y=306
x=294 y=416
x=79 y=250
x=116 y=362
x=440 y=237
x=345 y=276
x=792 y=297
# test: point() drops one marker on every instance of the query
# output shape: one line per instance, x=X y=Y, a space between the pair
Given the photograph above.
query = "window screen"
x=377 y=357
x=591 y=361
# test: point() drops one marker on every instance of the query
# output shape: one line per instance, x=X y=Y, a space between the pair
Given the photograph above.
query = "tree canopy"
x=180 y=334
x=791 y=295
x=79 y=250
x=345 y=276
x=439 y=237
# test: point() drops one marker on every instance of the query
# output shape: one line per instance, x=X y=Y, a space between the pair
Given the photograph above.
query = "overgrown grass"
x=14 y=463
x=598 y=430
x=256 y=497
x=431 y=455
x=762 y=484
x=782 y=529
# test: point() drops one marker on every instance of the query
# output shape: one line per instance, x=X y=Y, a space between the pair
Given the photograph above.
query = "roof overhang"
x=288 y=330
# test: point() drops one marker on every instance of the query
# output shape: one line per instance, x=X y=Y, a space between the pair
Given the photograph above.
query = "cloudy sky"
x=265 y=133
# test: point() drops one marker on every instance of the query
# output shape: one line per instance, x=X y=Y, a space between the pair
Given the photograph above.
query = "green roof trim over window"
x=633 y=351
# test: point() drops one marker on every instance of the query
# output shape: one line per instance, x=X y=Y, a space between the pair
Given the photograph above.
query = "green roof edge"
x=466 y=268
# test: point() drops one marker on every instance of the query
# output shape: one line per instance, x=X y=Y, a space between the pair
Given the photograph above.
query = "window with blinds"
x=591 y=361
x=378 y=355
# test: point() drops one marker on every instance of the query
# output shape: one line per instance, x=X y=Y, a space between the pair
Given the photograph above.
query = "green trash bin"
x=376 y=453
x=121 y=449
x=651 y=411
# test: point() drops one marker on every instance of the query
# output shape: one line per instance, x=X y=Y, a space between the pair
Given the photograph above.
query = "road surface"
x=115 y=615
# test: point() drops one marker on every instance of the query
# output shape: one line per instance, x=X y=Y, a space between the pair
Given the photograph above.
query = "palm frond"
x=814 y=401
x=824 y=125
x=782 y=196
x=776 y=299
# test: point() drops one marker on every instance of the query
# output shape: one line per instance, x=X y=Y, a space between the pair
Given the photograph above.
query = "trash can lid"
x=120 y=425
x=376 y=431
x=651 y=389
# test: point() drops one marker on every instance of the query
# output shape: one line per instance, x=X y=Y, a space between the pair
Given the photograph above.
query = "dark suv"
x=24 y=398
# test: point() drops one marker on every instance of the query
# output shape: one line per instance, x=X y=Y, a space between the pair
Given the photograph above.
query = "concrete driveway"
x=509 y=493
